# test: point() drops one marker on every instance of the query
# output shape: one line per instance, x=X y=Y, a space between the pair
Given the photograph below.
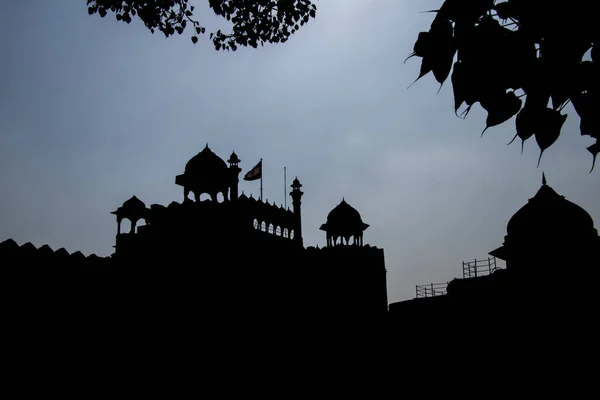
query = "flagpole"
x=284 y=187
x=261 y=174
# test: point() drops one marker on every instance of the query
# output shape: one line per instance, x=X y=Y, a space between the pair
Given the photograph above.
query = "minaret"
x=296 y=194
x=235 y=173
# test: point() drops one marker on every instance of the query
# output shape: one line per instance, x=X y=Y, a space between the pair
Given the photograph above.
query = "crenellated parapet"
x=45 y=259
x=268 y=218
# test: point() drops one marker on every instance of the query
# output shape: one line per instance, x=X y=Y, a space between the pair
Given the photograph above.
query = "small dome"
x=296 y=184
x=234 y=159
x=134 y=204
x=344 y=220
x=206 y=163
x=550 y=214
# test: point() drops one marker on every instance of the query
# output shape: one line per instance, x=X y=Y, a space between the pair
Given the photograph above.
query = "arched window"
x=285 y=232
x=278 y=231
x=292 y=234
x=204 y=197
x=263 y=226
x=271 y=231
x=129 y=226
x=255 y=223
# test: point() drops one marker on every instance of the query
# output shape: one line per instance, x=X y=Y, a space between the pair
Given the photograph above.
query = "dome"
x=206 y=163
x=234 y=159
x=550 y=214
x=206 y=172
x=132 y=209
x=344 y=220
x=134 y=204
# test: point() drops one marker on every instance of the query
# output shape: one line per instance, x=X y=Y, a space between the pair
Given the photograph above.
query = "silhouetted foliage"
x=536 y=47
x=253 y=22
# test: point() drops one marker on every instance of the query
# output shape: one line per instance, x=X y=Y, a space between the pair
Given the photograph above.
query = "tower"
x=296 y=194
x=235 y=172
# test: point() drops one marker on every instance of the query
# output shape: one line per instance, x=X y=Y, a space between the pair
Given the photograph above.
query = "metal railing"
x=475 y=268
x=431 y=290
x=471 y=269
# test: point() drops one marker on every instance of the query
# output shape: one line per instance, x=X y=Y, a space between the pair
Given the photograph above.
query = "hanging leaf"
x=458 y=85
x=422 y=46
x=442 y=65
x=594 y=149
x=585 y=105
x=550 y=124
x=443 y=48
x=525 y=124
x=502 y=109
x=426 y=67
x=472 y=85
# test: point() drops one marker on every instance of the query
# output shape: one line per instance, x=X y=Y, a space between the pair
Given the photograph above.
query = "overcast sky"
x=93 y=111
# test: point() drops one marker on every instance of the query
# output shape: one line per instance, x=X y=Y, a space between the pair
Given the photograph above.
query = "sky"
x=94 y=111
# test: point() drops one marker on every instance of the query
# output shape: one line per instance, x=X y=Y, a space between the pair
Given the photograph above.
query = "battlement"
x=44 y=258
x=245 y=214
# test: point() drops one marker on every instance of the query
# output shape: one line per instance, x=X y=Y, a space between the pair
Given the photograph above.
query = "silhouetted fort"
x=239 y=251
x=245 y=254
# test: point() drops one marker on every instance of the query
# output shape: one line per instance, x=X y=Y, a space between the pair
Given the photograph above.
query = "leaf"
x=102 y=12
x=505 y=108
x=525 y=124
x=422 y=46
x=594 y=149
x=458 y=85
x=426 y=67
x=442 y=48
x=550 y=124
x=442 y=64
x=194 y=39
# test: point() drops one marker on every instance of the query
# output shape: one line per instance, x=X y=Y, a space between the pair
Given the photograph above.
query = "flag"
x=255 y=173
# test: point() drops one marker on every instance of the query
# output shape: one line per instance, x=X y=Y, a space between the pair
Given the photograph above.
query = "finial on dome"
x=543 y=178
x=206 y=147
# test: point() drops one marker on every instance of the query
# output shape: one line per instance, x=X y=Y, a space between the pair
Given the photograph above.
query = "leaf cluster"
x=494 y=50
x=253 y=22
